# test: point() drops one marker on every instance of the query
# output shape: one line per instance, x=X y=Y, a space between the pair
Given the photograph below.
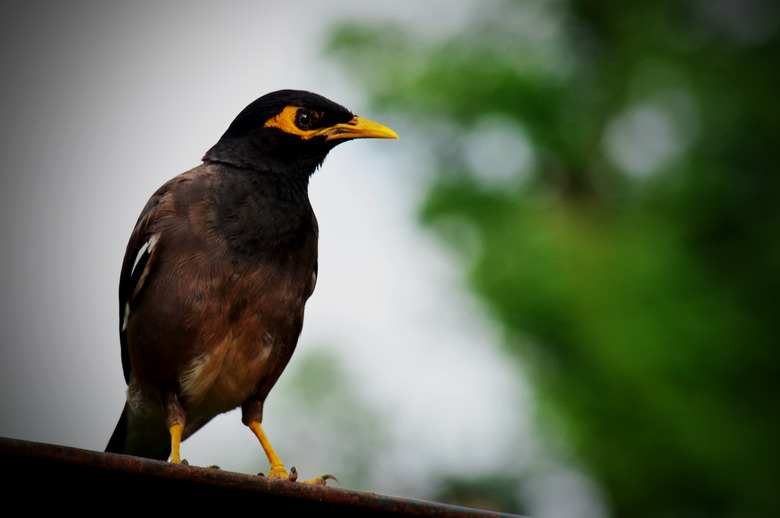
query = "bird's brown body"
x=235 y=321
x=217 y=273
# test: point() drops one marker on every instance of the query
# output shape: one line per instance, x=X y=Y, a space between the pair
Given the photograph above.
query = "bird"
x=216 y=274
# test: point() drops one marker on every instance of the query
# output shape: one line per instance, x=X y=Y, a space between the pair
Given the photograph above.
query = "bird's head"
x=291 y=129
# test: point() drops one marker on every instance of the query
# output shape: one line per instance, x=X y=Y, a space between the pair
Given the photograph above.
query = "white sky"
x=103 y=102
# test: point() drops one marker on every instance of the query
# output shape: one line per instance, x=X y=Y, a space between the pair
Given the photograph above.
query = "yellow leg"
x=175 y=431
x=277 y=468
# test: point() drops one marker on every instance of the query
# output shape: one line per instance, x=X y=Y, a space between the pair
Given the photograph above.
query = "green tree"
x=616 y=165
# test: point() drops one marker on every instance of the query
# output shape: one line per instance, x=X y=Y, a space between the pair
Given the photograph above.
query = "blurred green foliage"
x=615 y=167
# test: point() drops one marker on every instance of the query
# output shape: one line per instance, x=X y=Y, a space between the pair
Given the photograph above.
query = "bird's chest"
x=259 y=319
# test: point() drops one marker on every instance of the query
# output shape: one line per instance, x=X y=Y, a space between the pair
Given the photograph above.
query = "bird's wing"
x=138 y=262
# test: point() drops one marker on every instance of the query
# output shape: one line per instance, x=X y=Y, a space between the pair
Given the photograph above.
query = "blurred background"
x=556 y=295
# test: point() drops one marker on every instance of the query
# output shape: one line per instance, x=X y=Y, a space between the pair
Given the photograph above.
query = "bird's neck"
x=263 y=153
x=275 y=207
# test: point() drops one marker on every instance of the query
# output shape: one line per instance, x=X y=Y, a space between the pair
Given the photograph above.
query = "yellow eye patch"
x=296 y=120
x=287 y=118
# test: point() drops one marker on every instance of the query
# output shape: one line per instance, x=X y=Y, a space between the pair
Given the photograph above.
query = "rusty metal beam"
x=43 y=476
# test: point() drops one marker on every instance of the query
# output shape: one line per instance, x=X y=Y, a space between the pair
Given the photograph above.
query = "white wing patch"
x=125 y=315
x=137 y=278
x=149 y=245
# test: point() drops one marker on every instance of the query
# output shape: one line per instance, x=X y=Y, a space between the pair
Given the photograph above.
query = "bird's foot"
x=279 y=472
x=322 y=480
x=319 y=481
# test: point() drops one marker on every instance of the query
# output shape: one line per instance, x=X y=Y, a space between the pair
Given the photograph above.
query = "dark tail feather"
x=117 y=442
x=139 y=437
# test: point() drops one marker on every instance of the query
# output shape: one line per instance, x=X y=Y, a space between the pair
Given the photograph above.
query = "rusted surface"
x=46 y=476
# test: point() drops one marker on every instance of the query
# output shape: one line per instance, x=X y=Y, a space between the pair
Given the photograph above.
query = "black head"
x=290 y=129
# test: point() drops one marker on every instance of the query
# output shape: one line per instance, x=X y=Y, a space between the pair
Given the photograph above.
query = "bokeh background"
x=556 y=295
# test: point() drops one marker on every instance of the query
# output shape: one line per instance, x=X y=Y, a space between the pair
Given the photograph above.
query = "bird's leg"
x=252 y=415
x=277 y=467
x=175 y=420
x=175 y=431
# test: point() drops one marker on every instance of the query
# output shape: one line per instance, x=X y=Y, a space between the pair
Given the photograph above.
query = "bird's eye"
x=304 y=119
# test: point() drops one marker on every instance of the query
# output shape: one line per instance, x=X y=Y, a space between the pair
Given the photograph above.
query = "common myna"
x=217 y=272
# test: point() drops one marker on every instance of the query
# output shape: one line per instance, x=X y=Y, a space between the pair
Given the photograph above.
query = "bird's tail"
x=134 y=435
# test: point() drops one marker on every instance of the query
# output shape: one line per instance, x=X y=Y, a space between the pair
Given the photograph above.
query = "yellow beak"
x=357 y=128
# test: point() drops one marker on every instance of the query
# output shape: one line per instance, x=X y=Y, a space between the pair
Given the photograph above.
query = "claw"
x=293 y=476
x=322 y=481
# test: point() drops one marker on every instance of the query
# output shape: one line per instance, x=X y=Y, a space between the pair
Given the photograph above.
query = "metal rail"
x=40 y=476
